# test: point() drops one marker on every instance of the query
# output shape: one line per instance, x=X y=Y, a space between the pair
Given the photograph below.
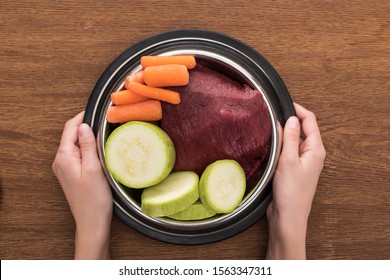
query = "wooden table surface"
x=334 y=57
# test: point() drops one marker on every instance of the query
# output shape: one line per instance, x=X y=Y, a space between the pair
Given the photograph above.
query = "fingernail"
x=83 y=130
x=293 y=122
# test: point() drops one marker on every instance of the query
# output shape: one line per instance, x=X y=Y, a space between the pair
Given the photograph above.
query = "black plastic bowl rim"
x=271 y=82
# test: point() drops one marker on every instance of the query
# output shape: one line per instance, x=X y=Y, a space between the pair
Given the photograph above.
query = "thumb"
x=87 y=145
x=291 y=138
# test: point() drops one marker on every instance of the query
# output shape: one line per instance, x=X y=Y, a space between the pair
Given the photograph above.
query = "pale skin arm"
x=80 y=174
x=295 y=183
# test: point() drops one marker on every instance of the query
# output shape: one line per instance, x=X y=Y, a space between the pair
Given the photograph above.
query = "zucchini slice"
x=139 y=154
x=196 y=211
x=177 y=192
x=222 y=186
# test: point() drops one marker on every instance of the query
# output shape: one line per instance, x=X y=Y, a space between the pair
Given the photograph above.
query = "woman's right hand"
x=294 y=185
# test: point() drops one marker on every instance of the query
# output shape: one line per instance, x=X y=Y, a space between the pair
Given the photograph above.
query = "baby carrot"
x=126 y=97
x=169 y=96
x=149 y=110
x=136 y=77
x=186 y=60
x=166 y=75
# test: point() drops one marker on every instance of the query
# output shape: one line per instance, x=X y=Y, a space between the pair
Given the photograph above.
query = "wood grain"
x=332 y=55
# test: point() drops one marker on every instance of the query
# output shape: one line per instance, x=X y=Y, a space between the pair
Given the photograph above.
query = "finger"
x=291 y=139
x=312 y=145
x=69 y=135
x=87 y=143
x=280 y=131
x=309 y=125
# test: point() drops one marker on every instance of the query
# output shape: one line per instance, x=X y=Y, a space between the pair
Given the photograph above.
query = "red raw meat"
x=218 y=118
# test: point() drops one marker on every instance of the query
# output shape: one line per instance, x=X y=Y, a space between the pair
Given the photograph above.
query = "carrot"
x=166 y=75
x=169 y=96
x=149 y=110
x=136 y=77
x=186 y=60
x=126 y=97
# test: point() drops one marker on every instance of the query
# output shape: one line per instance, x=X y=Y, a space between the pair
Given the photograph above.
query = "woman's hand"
x=80 y=174
x=294 y=186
